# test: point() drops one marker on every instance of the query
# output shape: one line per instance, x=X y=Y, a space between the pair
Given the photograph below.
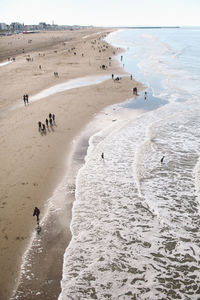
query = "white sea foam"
x=120 y=236
x=135 y=225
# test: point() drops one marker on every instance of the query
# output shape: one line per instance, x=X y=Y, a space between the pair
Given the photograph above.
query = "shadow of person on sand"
x=52 y=129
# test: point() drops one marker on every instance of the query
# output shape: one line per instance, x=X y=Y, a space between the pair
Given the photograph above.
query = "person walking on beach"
x=131 y=76
x=112 y=76
x=24 y=97
x=36 y=213
x=53 y=117
x=51 y=122
x=102 y=155
x=43 y=128
x=39 y=125
x=47 y=122
x=162 y=159
x=50 y=115
x=135 y=90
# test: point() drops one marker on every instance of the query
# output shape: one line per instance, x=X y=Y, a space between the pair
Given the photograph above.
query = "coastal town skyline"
x=16 y=27
x=102 y=13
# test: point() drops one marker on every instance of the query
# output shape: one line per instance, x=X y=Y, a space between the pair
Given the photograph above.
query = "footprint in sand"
x=19 y=238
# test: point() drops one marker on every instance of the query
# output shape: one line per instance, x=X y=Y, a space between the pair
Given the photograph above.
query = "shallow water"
x=70 y=84
x=61 y=87
x=5 y=63
x=135 y=224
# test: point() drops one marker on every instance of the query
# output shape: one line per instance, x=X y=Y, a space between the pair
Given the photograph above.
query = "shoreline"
x=34 y=267
x=33 y=164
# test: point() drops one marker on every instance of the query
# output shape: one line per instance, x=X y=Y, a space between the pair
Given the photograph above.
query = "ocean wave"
x=135 y=225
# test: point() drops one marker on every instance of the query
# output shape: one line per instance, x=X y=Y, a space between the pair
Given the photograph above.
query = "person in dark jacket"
x=53 y=117
x=36 y=213
x=39 y=125
x=162 y=159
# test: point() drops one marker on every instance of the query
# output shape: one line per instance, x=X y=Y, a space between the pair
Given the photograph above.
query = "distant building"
x=31 y=27
x=42 y=26
x=15 y=26
x=3 y=26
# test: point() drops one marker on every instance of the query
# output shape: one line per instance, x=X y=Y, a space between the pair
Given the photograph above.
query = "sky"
x=102 y=12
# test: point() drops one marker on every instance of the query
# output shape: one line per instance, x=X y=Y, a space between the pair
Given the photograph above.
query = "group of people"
x=49 y=123
x=25 y=98
x=55 y=74
x=117 y=78
x=11 y=59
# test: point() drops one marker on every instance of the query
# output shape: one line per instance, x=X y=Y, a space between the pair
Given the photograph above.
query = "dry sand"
x=33 y=164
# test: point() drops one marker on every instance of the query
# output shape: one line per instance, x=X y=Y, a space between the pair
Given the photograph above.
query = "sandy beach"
x=32 y=164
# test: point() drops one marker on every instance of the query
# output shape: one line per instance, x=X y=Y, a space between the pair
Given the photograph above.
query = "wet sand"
x=32 y=165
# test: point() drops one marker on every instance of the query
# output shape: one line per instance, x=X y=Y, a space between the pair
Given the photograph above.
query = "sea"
x=136 y=220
